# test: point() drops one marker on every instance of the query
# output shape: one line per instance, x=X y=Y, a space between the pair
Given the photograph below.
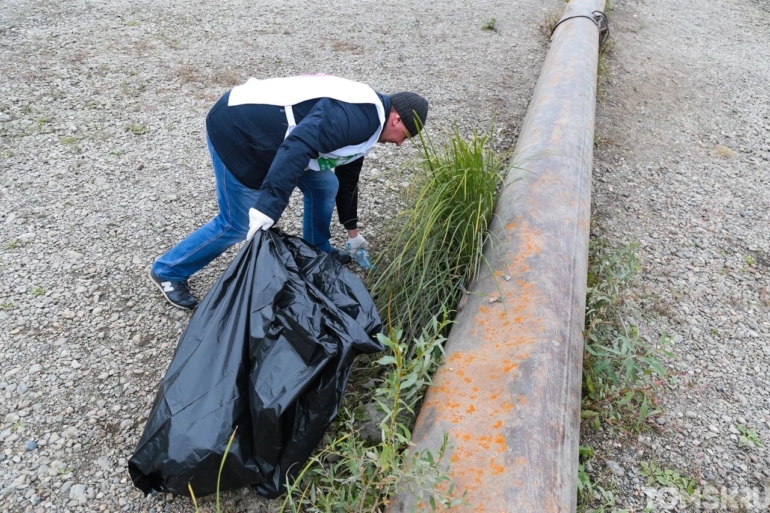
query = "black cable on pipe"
x=598 y=17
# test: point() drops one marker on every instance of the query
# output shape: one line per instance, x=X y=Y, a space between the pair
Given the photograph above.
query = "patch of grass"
x=585 y=486
x=6 y=305
x=604 y=68
x=137 y=128
x=188 y=74
x=132 y=23
x=13 y=244
x=601 y=141
x=748 y=438
x=227 y=78
x=37 y=291
x=749 y=260
x=174 y=44
x=490 y=25
x=72 y=142
x=345 y=46
x=348 y=474
x=620 y=370
x=6 y=154
x=436 y=247
x=667 y=477
x=550 y=18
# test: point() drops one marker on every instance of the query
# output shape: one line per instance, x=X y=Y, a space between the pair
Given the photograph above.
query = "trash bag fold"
x=269 y=351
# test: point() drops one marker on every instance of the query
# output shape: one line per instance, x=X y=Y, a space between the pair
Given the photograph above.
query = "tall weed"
x=437 y=244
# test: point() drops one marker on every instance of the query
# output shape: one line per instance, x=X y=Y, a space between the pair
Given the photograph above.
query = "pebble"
x=30 y=446
x=70 y=432
x=615 y=467
x=104 y=462
x=78 y=492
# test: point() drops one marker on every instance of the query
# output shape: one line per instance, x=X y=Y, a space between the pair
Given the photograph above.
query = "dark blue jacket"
x=250 y=141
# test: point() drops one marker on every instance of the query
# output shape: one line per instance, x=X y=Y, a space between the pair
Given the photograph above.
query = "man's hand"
x=354 y=243
x=257 y=221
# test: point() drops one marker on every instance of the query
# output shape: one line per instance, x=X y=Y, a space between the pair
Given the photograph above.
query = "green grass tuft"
x=436 y=247
x=621 y=371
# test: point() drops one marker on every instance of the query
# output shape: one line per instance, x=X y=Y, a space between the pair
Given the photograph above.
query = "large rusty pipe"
x=508 y=393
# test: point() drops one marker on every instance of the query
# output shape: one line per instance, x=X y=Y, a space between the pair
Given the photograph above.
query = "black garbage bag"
x=269 y=351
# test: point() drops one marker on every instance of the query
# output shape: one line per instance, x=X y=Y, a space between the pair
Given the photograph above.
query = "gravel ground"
x=104 y=167
x=683 y=167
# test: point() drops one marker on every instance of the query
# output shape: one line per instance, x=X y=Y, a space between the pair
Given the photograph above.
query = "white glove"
x=257 y=221
x=355 y=243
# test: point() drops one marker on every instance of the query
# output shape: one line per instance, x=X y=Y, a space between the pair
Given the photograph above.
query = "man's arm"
x=329 y=125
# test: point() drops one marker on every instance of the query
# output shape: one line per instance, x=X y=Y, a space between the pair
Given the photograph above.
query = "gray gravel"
x=103 y=162
x=683 y=167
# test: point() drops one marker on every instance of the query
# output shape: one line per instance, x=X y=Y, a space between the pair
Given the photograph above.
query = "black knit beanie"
x=413 y=110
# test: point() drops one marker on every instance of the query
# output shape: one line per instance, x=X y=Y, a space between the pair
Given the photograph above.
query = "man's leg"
x=319 y=189
x=206 y=243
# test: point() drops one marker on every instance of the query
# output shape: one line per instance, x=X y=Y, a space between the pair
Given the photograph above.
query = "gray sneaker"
x=176 y=292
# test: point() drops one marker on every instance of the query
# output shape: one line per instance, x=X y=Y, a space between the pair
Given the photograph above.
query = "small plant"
x=137 y=128
x=350 y=475
x=132 y=23
x=550 y=19
x=585 y=486
x=226 y=78
x=748 y=437
x=490 y=25
x=6 y=154
x=7 y=304
x=750 y=260
x=219 y=475
x=667 y=477
x=71 y=142
x=174 y=44
x=619 y=367
x=13 y=244
x=37 y=291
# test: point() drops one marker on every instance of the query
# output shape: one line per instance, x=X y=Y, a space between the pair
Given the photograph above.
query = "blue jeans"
x=231 y=225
